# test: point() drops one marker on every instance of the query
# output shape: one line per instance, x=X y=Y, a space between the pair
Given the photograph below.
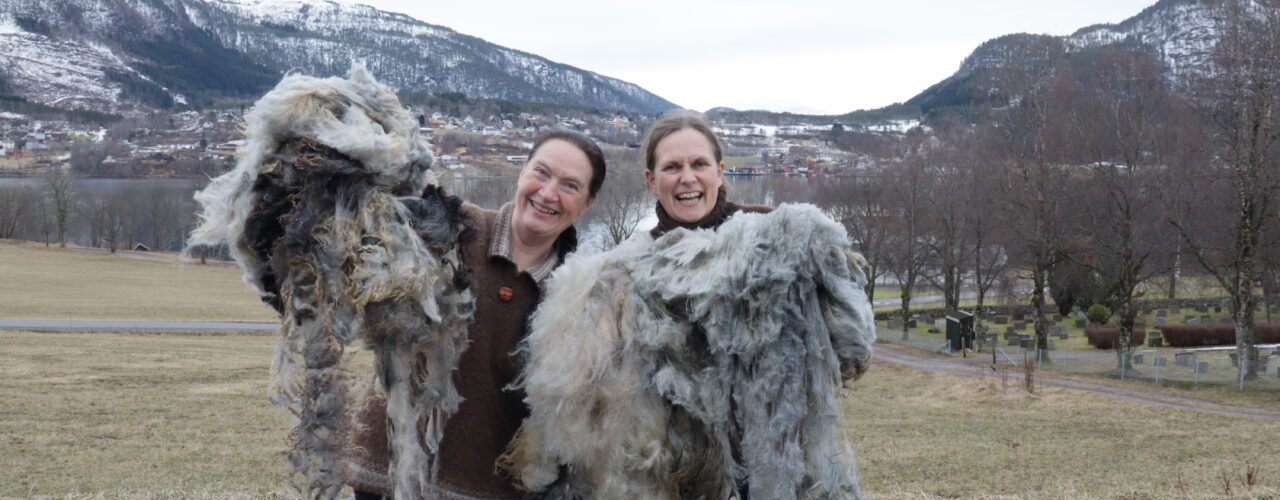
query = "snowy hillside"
x=132 y=54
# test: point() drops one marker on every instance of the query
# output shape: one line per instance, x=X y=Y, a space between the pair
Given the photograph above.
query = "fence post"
x=1157 y=372
x=1244 y=366
x=1195 y=366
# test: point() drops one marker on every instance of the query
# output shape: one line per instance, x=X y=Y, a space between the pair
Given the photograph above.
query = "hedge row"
x=1207 y=334
x=1108 y=338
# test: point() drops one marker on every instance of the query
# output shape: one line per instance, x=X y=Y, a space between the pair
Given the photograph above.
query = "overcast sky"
x=827 y=57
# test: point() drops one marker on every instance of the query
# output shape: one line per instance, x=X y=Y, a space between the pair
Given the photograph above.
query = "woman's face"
x=686 y=176
x=552 y=191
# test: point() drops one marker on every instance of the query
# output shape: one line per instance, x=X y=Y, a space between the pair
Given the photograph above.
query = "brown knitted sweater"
x=489 y=415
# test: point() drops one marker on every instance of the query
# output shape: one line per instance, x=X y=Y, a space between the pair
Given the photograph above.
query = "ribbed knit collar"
x=500 y=245
x=718 y=214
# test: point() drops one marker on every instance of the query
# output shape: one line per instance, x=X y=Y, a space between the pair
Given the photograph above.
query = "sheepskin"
x=332 y=217
x=689 y=365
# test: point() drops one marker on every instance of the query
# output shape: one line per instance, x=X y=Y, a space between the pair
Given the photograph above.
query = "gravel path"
x=898 y=355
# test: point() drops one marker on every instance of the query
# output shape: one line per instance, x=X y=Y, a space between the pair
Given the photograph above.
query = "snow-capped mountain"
x=1180 y=33
x=122 y=55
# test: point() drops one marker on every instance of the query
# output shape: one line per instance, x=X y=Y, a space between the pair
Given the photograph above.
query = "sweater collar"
x=718 y=214
x=500 y=245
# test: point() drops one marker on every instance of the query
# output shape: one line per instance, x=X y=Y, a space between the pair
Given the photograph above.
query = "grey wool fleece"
x=330 y=214
x=693 y=364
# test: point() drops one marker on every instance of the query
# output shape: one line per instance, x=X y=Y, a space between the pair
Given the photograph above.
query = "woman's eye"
x=671 y=167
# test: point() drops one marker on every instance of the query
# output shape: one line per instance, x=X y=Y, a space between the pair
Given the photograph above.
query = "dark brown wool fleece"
x=489 y=415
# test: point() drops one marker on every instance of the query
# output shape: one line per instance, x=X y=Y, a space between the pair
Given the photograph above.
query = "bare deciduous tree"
x=60 y=189
x=1242 y=98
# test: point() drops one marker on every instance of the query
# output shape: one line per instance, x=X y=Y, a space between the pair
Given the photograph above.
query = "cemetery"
x=1190 y=340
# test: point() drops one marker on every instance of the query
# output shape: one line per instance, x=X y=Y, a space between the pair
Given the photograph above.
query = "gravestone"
x=1157 y=321
x=1154 y=339
x=1162 y=313
x=1202 y=308
x=911 y=323
x=1057 y=317
x=1217 y=309
x=1160 y=361
x=1226 y=321
x=1206 y=319
x=1137 y=359
x=1019 y=317
x=1001 y=320
x=1010 y=329
x=895 y=323
x=1184 y=359
x=1226 y=362
x=1176 y=310
x=1202 y=367
x=1021 y=325
x=1014 y=342
x=1027 y=343
x=1080 y=323
x=1051 y=345
x=1191 y=320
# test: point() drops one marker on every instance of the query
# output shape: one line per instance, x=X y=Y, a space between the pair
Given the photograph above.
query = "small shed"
x=141 y=248
x=960 y=330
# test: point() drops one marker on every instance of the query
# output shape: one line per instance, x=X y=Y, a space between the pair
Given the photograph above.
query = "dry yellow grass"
x=185 y=416
x=941 y=436
x=136 y=415
x=53 y=283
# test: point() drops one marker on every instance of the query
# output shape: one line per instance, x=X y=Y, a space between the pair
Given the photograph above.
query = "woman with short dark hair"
x=515 y=250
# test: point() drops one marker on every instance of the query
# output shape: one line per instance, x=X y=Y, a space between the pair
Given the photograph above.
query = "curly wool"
x=685 y=366
x=331 y=218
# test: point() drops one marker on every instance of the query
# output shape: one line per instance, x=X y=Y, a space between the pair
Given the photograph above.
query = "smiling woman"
x=556 y=186
x=513 y=252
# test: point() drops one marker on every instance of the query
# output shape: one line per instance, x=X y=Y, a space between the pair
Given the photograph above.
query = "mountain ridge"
x=128 y=55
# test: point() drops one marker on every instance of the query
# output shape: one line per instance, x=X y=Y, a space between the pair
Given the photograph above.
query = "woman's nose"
x=547 y=191
x=686 y=176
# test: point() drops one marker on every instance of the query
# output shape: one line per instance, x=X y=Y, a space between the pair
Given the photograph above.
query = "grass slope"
x=181 y=416
x=52 y=283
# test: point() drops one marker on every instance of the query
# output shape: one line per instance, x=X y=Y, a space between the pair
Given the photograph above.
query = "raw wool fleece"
x=677 y=367
x=330 y=215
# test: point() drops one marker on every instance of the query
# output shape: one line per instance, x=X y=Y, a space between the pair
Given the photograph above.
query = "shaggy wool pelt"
x=700 y=362
x=330 y=214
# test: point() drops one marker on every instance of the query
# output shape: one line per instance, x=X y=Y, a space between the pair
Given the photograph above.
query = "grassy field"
x=182 y=416
x=53 y=283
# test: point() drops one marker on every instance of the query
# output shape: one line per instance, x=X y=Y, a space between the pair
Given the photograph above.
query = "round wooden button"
x=505 y=293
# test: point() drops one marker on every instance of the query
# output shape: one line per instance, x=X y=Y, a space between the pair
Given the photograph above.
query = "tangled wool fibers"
x=330 y=214
x=687 y=366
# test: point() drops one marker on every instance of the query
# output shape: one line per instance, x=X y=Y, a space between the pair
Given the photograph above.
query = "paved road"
x=155 y=256
x=903 y=356
x=134 y=326
x=920 y=300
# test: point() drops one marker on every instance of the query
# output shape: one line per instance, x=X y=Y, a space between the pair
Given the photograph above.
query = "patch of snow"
x=8 y=25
